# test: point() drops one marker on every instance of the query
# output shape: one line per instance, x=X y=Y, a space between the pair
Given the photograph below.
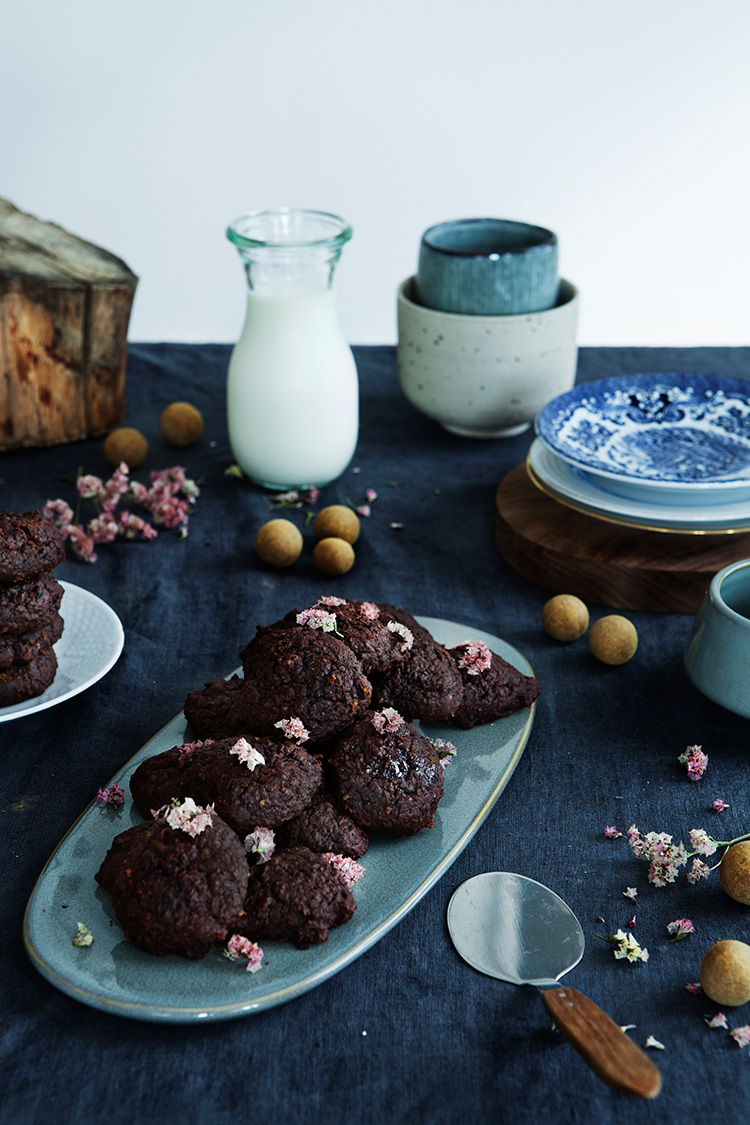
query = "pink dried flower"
x=720 y=805
x=83 y=545
x=402 y=631
x=331 y=599
x=631 y=893
x=60 y=513
x=387 y=721
x=187 y=748
x=348 y=868
x=475 y=658
x=131 y=527
x=293 y=728
x=370 y=611
x=445 y=749
x=312 y=494
x=695 y=761
x=741 y=1035
x=701 y=842
x=719 y=1020
x=247 y=754
x=318 y=619
x=103 y=529
x=187 y=816
x=261 y=842
x=631 y=923
x=364 y=510
x=611 y=832
x=89 y=487
x=371 y=495
x=239 y=946
x=680 y=928
x=114 y=795
x=699 y=870
x=626 y=946
x=694 y=988
x=84 y=937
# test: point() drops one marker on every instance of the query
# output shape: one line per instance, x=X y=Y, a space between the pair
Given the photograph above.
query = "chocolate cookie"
x=492 y=687
x=29 y=545
x=20 y=648
x=272 y=791
x=426 y=684
x=28 y=606
x=209 y=709
x=174 y=892
x=323 y=827
x=387 y=775
x=27 y=680
x=302 y=673
x=297 y=896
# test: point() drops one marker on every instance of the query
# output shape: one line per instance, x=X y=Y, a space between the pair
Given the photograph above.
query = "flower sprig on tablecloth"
x=168 y=501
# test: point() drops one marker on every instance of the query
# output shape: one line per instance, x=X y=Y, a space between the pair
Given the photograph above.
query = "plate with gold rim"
x=115 y=976
x=573 y=487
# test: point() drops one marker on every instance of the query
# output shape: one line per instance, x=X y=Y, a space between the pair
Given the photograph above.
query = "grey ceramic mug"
x=487 y=267
x=717 y=658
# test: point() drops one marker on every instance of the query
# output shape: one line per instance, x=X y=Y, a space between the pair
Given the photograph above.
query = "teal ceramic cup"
x=487 y=267
x=717 y=658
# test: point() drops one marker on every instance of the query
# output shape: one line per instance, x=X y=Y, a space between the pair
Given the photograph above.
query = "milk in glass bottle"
x=292 y=392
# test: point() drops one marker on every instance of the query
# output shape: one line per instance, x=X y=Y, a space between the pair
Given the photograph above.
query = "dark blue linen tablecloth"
x=408 y=1032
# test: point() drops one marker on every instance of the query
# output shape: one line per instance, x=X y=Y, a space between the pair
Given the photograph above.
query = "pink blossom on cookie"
x=318 y=619
x=387 y=721
x=330 y=599
x=402 y=631
x=187 y=816
x=247 y=754
x=293 y=728
x=370 y=611
x=187 y=748
x=348 y=868
x=475 y=658
x=261 y=842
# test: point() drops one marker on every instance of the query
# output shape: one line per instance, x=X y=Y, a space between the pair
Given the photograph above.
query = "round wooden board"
x=606 y=563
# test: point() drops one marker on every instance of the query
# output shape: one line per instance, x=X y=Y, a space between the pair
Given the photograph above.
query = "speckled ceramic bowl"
x=485 y=376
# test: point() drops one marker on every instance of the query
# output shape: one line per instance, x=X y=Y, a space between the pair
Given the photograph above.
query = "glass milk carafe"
x=292 y=392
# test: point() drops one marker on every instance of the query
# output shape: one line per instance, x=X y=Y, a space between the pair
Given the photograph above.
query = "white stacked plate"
x=665 y=452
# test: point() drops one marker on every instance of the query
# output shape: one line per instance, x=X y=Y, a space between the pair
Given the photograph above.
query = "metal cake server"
x=517 y=930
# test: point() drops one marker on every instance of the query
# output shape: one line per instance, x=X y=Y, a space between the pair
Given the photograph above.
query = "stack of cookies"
x=30 y=548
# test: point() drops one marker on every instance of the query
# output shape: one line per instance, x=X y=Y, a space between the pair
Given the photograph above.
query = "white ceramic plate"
x=115 y=976
x=90 y=644
x=582 y=492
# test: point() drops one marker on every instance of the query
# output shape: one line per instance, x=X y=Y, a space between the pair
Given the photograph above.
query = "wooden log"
x=64 y=313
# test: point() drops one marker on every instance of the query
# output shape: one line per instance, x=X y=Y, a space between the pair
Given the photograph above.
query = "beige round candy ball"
x=333 y=556
x=613 y=639
x=734 y=872
x=126 y=444
x=279 y=543
x=725 y=973
x=337 y=522
x=181 y=424
x=565 y=617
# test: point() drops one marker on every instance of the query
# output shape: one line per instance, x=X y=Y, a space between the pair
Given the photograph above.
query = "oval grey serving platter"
x=115 y=976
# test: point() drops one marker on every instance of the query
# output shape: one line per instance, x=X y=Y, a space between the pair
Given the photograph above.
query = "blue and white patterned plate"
x=669 y=430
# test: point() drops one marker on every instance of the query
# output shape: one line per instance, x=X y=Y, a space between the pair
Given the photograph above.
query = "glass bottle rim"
x=340 y=230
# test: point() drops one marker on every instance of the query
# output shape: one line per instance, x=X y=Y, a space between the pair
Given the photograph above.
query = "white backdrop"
x=621 y=124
